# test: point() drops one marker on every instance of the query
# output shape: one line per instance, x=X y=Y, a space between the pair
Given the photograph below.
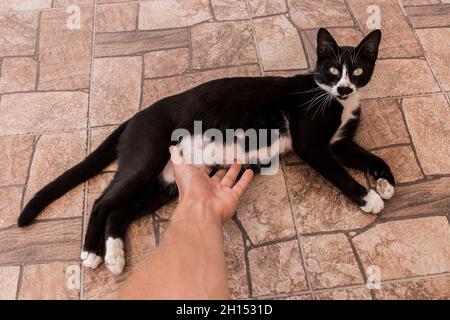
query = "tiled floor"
x=65 y=85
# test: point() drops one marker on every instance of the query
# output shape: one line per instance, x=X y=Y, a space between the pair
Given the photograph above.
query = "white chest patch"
x=200 y=152
x=350 y=105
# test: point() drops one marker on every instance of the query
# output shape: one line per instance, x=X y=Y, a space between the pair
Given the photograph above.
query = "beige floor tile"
x=137 y=42
x=18 y=74
x=219 y=44
x=428 y=120
x=418 y=2
x=345 y=294
x=402 y=162
x=172 y=13
x=18 y=5
x=330 y=261
x=116 y=89
x=10 y=201
x=291 y=158
x=53 y=240
x=229 y=10
x=398 y=39
x=67 y=3
x=234 y=257
x=15 y=159
x=406 y=248
x=140 y=243
x=264 y=209
x=424 y=289
x=54 y=154
x=18 y=33
x=319 y=206
x=166 y=63
x=157 y=89
x=437 y=46
x=28 y=112
x=398 y=77
x=307 y=14
x=277 y=269
x=299 y=297
x=428 y=16
x=279 y=44
x=424 y=198
x=9 y=278
x=65 y=50
x=381 y=124
x=110 y=1
x=57 y=280
x=117 y=17
x=266 y=7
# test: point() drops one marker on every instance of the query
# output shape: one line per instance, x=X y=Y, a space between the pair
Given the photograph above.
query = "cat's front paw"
x=384 y=188
x=115 y=255
x=374 y=203
x=90 y=259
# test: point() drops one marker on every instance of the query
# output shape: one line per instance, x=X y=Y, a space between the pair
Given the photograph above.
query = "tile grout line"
x=413 y=147
x=19 y=281
x=310 y=67
x=211 y=9
x=359 y=263
x=247 y=247
x=37 y=52
x=422 y=47
x=88 y=143
x=25 y=185
x=255 y=40
x=357 y=286
x=298 y=234
x=356 y=23
x=189 y=70
x=24 y=191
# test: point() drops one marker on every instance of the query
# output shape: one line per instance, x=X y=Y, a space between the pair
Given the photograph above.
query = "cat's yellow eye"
x=334 y=71
x=357 y=72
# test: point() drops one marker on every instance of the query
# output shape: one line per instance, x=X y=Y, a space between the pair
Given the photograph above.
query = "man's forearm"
x=189 y=264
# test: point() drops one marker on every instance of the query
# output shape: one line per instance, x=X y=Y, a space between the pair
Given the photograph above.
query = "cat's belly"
x=205 y=153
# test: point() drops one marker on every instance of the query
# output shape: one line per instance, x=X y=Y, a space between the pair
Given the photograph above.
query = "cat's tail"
x=89 y=167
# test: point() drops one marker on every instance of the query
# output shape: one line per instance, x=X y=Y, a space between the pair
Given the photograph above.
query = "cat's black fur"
x=141 y=144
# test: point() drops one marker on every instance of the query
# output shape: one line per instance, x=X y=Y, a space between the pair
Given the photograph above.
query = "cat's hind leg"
x=93 y=247
x=147 y=202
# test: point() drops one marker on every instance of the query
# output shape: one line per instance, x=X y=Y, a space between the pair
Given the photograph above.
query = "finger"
x=243 y=182
x=206 y=169
x=218 y=176
x=231 y=175
x=175 y=155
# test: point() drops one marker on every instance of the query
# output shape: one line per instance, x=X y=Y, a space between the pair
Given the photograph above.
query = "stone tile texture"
x=70 y=75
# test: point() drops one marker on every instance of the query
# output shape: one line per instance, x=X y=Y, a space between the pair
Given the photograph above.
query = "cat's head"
x=343 y=70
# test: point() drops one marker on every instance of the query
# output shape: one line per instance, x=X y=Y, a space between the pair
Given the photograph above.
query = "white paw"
x=115 y=255
x=90 y=260
x=385 y=189
x=374 y=203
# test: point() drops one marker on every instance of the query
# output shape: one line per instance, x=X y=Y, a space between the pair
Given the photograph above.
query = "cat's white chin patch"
x=115 y=255
x=374 y=203
x=384 y=188
x=90 y=260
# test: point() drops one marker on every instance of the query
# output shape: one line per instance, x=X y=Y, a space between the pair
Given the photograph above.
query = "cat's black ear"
x=369 y=45
x=326 y=45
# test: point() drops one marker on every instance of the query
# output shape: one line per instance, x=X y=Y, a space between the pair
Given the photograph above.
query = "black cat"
x=316 y=114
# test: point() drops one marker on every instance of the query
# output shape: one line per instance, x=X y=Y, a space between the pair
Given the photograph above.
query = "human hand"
x=219 y=193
